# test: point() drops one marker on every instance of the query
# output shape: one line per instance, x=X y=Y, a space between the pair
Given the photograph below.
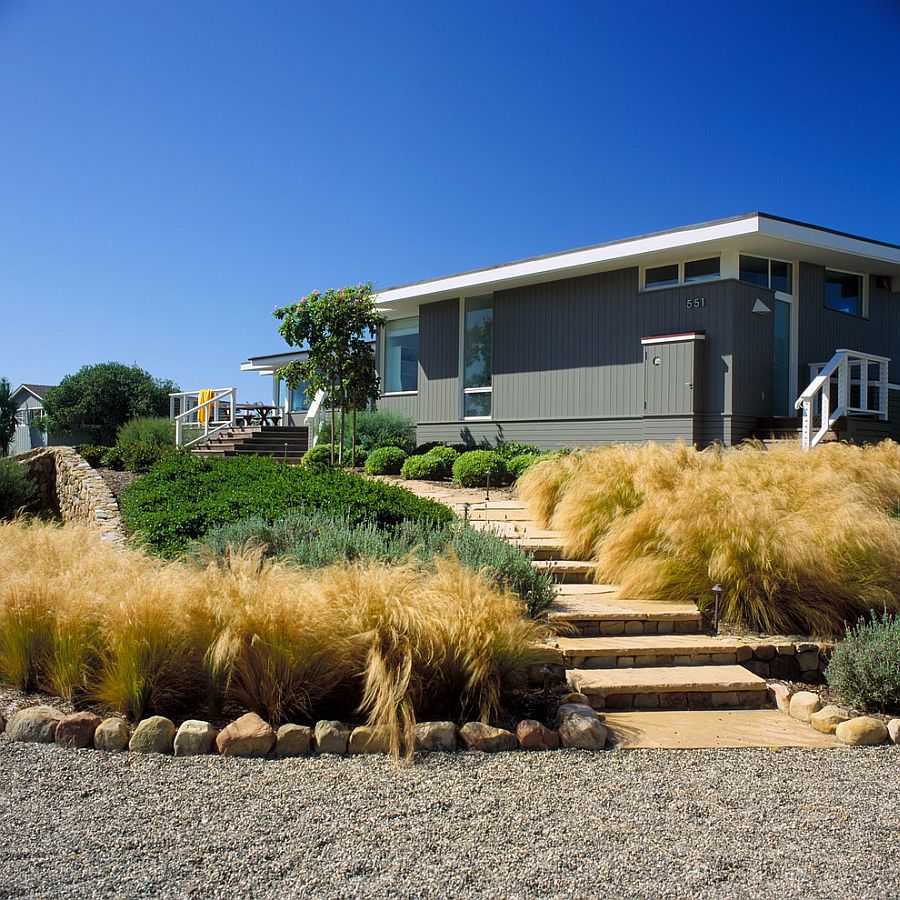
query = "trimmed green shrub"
x=473 y=469
x=423 y=468
x=184 y=496
x=17 y=491
x=314 y=539
x=385 y=461
x=865 y=667
x=447 y=456
x=91 y=453
x=375 y=427
x=147 y=432
x=509 y=449
x=319 y=456
x=519 y=465
x=142 y=457
x=113 y=458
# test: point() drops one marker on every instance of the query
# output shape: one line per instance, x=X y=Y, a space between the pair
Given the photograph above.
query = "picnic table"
x=256 y=414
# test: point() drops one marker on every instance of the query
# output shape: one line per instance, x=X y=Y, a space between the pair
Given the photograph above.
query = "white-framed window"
x=688 y=271
x=401 y=356
x=775 y=274
x=477 y=356
x=845 y=292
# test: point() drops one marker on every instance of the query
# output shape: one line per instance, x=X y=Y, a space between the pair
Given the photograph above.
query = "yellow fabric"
x=203 y=414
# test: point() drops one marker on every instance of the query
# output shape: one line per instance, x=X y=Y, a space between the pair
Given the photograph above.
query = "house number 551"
x=696 y=302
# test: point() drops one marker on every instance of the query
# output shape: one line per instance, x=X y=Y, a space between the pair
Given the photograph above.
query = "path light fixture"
x=487 y=492
x=717 y=592
x=466 y=512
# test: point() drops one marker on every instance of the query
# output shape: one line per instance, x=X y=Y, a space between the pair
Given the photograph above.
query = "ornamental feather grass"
x=386 y=642
x=800 y=542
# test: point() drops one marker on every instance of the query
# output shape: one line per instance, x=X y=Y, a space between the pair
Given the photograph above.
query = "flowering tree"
x=334 y=327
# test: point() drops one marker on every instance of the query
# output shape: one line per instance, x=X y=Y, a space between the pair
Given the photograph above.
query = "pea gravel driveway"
x=735 y=823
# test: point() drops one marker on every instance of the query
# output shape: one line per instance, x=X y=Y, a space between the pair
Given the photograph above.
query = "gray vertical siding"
x=822 y=331
x=408 y=404
x=439 y=362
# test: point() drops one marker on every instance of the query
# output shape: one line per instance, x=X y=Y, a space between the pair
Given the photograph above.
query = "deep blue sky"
x=170 y=172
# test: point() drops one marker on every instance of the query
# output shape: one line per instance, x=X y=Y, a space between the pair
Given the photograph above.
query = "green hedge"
x=446 y=456
x=472 y=469
x=183 y=497
x=385 y=461
x=17 y=491
x=423 y=468
x=314 y=539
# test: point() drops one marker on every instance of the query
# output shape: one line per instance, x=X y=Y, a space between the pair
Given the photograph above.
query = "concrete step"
x=567 y=571
x=652 y=650
x=671 y=687
x=702 y=729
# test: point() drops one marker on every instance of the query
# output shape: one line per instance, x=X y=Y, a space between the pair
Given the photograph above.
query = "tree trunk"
x=353 y=446
x=341 y=445
x=332 y=432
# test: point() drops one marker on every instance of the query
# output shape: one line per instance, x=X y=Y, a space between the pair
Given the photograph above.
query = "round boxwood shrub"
x=518 y=465
x=385 y=461
x=319 y=456
x=509 y=449
x=446 y=455
x=423 y=468
x=474 y=468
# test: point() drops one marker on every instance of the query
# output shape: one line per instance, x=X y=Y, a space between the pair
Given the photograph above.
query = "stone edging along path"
x=579 y=727
x=68 y=485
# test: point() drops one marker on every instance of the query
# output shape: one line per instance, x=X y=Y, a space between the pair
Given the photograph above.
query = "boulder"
x=781 y=694
x=111 y=735
x=575 y=709
x=579 y=732
x=804 y=704
x=828 y=718
x=366 y=739
x=293 y=740
x=195 y=738
x=35 y=725
x=247 y=736
x=331 y=737
x=862 y=731
x=436 y=736
x=532 y=735
x=76 y=732
x=893 y=728
x=486 y=738
x=575 y=697
x=153 y=735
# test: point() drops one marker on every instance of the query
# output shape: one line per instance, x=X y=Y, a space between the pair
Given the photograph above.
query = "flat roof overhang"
x=755 y=233
x=266 y=365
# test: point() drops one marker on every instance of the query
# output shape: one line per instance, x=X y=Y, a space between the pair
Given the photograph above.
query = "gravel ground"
x=738 y=823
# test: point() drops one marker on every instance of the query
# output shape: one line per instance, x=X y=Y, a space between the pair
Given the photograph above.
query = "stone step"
x=653 y=650
x=599 y=610
x=671 y=687
x=491 y=511
x=713 y=729
x=567 y=570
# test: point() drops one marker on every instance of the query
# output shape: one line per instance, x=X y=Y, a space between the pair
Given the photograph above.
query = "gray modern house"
x=29 y=400
x=715 y=332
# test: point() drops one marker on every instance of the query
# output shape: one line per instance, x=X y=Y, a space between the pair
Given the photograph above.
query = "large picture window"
x=401 y=355
x=768 y=273
x=299 y=398
x=844 y=292
x=478 y=356
x=674 y=274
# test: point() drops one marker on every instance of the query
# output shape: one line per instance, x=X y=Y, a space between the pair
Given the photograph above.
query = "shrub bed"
x=145 y=635
x=315 y=539
x=181 y=498
x=17 y=491
x=473 y=469
x=865 y=667
x=423 y=468
x=385 y=461
x=800 y=542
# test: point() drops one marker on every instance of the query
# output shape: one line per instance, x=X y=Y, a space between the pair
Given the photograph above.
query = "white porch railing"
x=312 y=415
x=185 y=408
x=858 y=382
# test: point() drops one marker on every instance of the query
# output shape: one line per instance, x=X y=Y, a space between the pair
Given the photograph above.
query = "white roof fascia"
x=827 y=240
x=574 y=259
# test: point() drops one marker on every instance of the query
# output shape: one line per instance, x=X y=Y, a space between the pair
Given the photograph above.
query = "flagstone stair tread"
x=665 y=679
x=604 y=604
x=702 y=729
x=648 y=645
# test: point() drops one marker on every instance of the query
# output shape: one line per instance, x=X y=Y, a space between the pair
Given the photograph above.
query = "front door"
x=670 y=375
x=782 y=351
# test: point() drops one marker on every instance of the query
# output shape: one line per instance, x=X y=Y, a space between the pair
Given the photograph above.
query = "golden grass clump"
x=801 y=542
x=391 y=642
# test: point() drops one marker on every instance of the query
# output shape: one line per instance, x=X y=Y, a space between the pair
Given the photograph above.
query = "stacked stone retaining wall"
x=69 y=487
